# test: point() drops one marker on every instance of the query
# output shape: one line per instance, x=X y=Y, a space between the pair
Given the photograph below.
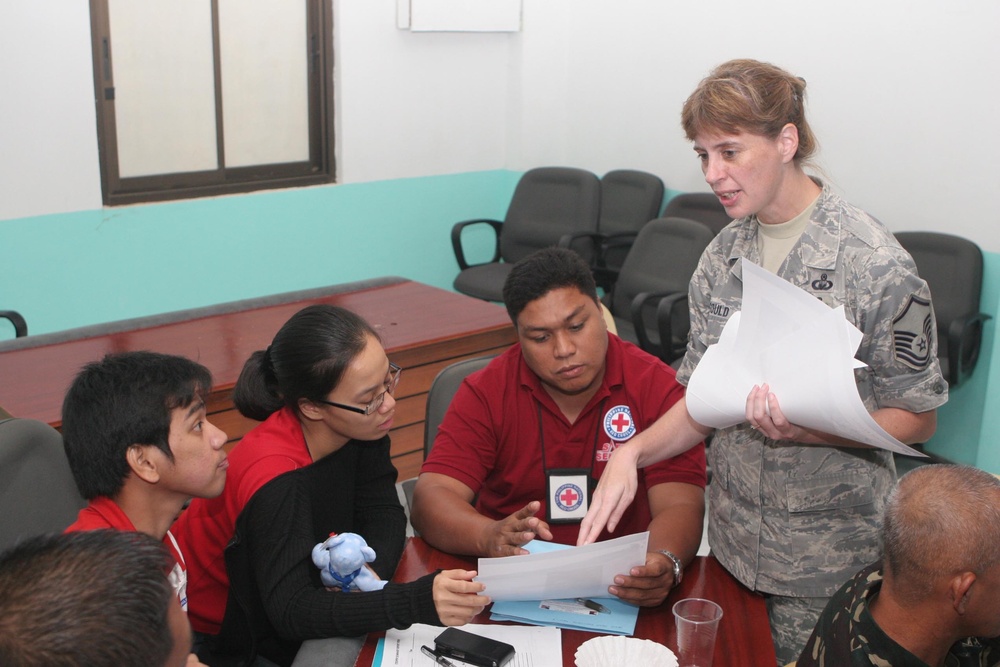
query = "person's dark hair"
x=749 y=96
x=543 y=271
x=97 y=598
x=123 y=400
x=940 y=520
x=306 y=359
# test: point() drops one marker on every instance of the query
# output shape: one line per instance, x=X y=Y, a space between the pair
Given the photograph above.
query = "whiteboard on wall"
x=459 y=15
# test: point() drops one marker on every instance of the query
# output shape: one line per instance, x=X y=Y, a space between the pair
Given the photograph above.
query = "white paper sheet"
x=800 y=347
x=534 y=646
x=585 y=571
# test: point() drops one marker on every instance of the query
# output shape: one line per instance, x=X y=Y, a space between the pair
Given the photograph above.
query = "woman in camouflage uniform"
x=793 y=513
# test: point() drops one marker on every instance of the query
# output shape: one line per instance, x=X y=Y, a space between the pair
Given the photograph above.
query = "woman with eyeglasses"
x=318 y=464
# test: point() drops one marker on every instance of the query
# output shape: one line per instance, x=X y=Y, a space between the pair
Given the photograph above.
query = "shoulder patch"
x=618 y=423
x=911 y=333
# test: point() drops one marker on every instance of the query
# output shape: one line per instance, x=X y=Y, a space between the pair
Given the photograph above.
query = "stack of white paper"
x=803 y=349
x=568 y=573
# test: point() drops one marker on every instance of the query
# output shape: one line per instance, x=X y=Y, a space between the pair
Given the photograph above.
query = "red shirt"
x=102 y=513
x=489 y=438
x=274 y=447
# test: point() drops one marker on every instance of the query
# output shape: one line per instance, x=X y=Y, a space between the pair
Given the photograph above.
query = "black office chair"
x=653 y=285
x=439 y=397
x=37 y=491
x=629 y=199
x=548 y=203
x=953 y=268
x=703 y=207
x=20 y=326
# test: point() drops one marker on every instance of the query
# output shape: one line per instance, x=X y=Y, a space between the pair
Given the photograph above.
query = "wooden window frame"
x=319 y=168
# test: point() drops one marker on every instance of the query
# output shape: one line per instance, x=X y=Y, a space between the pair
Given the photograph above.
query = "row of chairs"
x=637 y=259
x=644 y=264
x=598 y=218
x=551 y=204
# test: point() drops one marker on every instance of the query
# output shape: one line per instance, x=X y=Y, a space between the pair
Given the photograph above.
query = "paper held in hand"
x=567 y=573
x=803 y=349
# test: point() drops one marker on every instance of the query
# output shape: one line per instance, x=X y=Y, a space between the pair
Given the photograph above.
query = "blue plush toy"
x=341 y=560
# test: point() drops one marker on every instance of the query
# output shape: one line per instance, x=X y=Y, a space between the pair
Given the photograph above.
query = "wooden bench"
x=423 y=328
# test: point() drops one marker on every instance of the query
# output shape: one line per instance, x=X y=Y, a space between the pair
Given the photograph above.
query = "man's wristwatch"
x=678 y=569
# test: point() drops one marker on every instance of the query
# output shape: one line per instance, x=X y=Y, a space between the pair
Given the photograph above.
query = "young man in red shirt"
x=140 y=446
x=524 y=437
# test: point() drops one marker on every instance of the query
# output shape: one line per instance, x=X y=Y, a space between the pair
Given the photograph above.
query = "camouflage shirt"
x=799 y=520
x=846 y=635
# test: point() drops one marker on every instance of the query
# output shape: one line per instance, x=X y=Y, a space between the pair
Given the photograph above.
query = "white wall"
x=48 y=121
x=902 y=96
x=414 y=104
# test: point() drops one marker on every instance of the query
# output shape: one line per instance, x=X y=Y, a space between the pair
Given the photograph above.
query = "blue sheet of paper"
x=619 y=619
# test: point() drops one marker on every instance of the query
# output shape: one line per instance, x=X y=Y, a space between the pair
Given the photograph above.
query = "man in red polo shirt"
x=526 y=438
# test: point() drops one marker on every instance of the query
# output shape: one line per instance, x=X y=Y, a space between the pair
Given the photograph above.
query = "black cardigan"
x=276 y=599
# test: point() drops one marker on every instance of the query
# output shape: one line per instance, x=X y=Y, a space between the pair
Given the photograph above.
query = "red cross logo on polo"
x=568 y=497
x=618 y=423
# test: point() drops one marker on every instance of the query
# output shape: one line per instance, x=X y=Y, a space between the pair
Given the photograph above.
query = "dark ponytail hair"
x=306 y=359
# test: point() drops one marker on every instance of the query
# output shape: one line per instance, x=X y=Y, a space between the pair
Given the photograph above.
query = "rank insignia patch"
x=911 y=334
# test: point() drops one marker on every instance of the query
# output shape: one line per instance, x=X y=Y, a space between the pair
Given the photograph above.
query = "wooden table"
x=744 y=638
x=423 y=328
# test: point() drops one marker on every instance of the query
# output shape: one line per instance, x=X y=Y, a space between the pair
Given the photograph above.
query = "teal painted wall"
x=988 y=438
x=968 y=424
x=69 y=270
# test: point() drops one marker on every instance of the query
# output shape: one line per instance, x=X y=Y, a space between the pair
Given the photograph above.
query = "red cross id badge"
x=568 y=495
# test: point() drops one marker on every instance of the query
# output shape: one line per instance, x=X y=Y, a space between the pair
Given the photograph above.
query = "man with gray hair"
x=935 y=597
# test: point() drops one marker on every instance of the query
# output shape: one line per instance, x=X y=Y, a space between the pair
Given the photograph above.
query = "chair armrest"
x=20 y=326
x=566 y=240
x=605 y=275
x=639 y=301
x=456 y=240
x=664 y=324
x=964 y=337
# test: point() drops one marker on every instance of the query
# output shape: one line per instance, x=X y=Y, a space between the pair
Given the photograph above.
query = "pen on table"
x=596 y=606
x=433 y=655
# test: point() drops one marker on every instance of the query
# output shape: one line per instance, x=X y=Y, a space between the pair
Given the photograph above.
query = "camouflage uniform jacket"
x=799 y=520
x=846 y=635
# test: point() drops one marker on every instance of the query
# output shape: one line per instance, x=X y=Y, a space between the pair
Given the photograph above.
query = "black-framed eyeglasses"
x=390 y=386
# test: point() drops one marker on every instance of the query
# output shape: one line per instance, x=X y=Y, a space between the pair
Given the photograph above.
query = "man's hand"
x=456 y=596
x=613 y=495
x=506 y=536
x=647 y=585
